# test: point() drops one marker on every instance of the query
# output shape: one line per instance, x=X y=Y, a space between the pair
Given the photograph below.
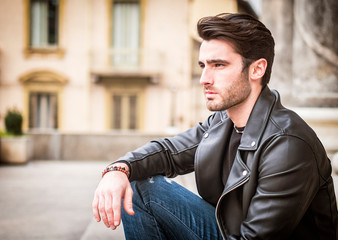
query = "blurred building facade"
x=98 y=65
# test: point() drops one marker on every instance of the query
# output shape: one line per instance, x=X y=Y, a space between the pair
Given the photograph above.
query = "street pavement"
x=51 y=200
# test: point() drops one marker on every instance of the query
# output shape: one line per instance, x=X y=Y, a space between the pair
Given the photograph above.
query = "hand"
x=113 y=187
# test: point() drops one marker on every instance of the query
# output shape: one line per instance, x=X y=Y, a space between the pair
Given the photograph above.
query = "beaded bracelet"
x=116 y=168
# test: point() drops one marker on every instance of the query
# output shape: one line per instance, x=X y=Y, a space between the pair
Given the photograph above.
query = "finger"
x=109 y=210
x=102 y=211
x=117 y=210
x=95 y=206
x=128 y=201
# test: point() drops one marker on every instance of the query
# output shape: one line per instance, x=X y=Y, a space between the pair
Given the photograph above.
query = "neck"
x=240 y=113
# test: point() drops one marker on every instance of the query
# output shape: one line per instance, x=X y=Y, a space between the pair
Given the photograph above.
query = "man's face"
x=225 y=84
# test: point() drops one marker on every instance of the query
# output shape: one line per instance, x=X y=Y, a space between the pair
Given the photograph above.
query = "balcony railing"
x=140 y=61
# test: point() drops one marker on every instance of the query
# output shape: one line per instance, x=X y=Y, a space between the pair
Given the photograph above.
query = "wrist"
x=117 y=168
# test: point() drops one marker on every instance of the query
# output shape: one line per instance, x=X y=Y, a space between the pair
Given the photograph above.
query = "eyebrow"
x=214 y=61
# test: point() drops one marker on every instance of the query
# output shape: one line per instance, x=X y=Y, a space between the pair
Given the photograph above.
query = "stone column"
x=306 y=63
x=277 y=15
x=315 y=53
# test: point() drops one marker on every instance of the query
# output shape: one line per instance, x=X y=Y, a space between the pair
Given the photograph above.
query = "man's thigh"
x=172 y=211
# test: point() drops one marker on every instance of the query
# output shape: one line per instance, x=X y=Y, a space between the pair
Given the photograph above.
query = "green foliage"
x=6 y=134
x=13 y=122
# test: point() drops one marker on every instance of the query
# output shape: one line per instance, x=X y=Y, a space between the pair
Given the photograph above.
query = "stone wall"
x=82 y=146
x=306 y=63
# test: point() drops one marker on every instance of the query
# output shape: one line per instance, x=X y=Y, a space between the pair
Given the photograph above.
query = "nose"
x=206 y=77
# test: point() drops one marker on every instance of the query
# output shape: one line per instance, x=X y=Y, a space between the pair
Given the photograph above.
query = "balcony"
x=126 y=63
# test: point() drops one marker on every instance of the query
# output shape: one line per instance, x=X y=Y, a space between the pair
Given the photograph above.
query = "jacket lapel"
x=240 y=171
x=238 y=175
x=209 y=158
x=257 y=121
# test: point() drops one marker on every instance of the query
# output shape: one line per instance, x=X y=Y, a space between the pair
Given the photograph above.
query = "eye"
x=201 y=65
x=219 y=65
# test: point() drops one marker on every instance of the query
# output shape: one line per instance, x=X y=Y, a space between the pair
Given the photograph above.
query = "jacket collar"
x=258 y=119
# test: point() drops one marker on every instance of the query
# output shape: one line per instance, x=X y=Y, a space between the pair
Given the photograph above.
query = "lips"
x=209 y=93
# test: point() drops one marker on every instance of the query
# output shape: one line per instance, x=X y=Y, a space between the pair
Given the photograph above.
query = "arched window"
x=43 y=95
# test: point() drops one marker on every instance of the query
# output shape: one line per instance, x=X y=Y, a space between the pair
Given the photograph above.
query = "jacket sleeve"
x=287 y=182
x=169 y=156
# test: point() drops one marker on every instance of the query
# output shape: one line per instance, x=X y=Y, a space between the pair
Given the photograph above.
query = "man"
x=260 y=169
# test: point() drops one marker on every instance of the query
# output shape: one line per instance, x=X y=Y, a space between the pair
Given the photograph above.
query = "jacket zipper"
x=219 y=200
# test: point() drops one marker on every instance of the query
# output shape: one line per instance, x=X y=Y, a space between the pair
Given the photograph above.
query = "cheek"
x=232 y=84
x=225 y=80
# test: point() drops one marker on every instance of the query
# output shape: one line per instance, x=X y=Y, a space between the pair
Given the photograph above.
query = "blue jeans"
x=166 y=210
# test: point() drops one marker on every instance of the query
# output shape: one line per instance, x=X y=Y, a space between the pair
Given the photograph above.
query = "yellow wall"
x=166 y=40
x=202 y=8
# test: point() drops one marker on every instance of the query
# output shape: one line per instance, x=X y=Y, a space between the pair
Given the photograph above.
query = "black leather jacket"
x=280 y=184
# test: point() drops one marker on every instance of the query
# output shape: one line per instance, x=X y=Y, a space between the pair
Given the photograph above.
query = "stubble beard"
x=232 y=96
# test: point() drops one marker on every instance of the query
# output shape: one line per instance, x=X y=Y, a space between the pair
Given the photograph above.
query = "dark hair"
x=247 y=35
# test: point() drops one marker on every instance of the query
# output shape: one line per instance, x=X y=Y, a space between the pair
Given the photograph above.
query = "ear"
x=257 y=69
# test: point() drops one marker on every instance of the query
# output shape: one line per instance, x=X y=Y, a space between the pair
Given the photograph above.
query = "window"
x=44 y=24
x=43 y=110
x=43 y=94
x=125 y=109
x=126 y=33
